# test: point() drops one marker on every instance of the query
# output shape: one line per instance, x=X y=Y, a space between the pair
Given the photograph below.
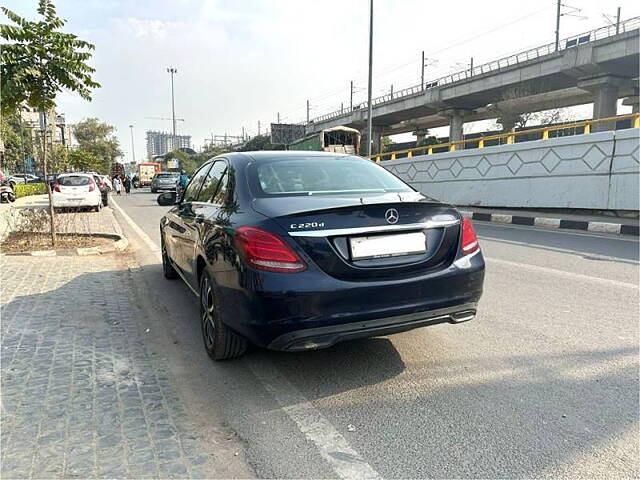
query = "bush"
x=26 y=189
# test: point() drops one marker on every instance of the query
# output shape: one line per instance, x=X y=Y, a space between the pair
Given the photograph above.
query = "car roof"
x=79 y=174
x=265 y=155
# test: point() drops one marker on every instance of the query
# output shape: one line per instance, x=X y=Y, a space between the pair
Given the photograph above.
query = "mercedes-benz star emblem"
x=391 y=216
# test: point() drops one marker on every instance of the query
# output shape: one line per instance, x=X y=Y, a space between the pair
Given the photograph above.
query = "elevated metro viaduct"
x=600 y=67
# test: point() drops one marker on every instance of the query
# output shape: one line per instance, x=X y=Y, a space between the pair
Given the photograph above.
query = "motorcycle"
x=6 y=193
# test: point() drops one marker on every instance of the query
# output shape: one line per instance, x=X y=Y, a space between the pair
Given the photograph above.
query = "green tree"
x=17 y=142
x=83 y=160
x=37 y=62
x=59 y=158
x=98 y=137
x=259 y=142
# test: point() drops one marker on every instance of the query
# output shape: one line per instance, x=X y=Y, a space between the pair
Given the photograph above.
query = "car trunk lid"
x=378 y=236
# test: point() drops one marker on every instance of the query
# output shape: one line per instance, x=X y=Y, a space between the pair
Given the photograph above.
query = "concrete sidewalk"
x=591 y=223
x=87 y=391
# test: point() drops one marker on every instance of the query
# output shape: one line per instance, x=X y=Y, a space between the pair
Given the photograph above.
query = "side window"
x=191 y=193
x=210 y=185
x=221 y=194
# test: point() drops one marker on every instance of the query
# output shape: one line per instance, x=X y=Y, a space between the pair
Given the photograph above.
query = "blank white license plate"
x=388 y=245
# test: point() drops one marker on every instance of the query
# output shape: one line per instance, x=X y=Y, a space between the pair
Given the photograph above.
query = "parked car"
x=164 y=181
x=107 y=181
x=23 y=178
x=300 y=250
x=104 y=189
x=76 y=190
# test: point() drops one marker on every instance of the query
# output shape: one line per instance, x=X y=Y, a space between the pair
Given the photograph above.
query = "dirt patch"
x=32 y=241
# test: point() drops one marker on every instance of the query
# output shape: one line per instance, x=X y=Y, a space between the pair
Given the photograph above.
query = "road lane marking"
x=562 y=231
x=562 y=273
x=155 y=249
x=333 y=447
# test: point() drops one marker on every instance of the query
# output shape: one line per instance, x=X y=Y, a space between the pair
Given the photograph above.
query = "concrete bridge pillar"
x=377 y=140
x=605 y=89
x=456 y=122
x=421 y=134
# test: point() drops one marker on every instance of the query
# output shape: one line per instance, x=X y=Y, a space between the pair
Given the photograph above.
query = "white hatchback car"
x=76 y=190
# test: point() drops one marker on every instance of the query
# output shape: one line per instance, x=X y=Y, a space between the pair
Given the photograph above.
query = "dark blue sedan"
x=299 y=250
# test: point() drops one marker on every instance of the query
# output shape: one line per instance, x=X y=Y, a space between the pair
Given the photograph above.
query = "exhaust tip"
x=463 y=316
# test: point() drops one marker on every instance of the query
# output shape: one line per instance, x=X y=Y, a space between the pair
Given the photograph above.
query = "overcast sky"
x=240 y=61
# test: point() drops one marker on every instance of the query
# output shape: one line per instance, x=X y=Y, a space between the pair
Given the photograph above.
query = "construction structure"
x=160 y=143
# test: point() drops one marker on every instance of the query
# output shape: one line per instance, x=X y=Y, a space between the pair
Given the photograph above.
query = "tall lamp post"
x=369 y=106
x=133 y=150
x=173 y=71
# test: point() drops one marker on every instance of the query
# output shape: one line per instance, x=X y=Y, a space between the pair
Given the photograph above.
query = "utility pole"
x=369 y=106
x=307 y=111
x=618 y=21
x=258 y=127
x=422 y=76
x=278 y=117
x=173 y=71
x=471 y=66
x=559 y=5
x=392 y=91
x=133 y=150
x=351 y=101
x=243 y=137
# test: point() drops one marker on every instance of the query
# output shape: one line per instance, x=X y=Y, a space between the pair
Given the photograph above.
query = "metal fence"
x=509 y=61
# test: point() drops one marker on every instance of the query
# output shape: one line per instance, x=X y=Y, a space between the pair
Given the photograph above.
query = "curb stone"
x=120 y=244
x=548 y=222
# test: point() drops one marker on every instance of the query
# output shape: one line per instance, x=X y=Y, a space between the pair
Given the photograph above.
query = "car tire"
x=153 y=191
x=168 y=269
x=219 y=341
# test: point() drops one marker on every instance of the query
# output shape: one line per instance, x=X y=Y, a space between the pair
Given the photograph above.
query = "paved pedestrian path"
x=83 y=393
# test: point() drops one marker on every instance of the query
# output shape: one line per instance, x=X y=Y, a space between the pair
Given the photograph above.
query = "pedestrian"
x=182 y=183
x=127 y=185
x=117 y=185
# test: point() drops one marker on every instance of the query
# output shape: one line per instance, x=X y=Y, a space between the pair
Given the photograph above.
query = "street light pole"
x=133 y=150
x=558 y=15
x=422 y=74
x=369 y=106
x=173 y=71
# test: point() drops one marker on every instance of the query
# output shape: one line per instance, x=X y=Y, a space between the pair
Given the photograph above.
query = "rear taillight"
x=469 y=239
x=266 y=251
x=56 y=188
x=92 y=186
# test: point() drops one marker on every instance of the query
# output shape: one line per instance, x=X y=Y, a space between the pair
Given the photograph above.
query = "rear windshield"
x=322 y=176
x=74 y=181
x=166 y=175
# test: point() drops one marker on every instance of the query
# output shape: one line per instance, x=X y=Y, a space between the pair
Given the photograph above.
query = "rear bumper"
x=60 y=201
x=324 y=337
x=284 y=312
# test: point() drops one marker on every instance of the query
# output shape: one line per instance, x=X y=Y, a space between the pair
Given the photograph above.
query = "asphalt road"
x=543 y=383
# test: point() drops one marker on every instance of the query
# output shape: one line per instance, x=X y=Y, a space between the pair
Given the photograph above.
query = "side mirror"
x=166 y=199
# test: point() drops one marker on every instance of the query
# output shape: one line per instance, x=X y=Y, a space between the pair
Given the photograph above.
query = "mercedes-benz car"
x=299 y=250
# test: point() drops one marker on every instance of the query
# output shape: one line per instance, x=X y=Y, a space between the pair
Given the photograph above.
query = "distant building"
x=159 y=143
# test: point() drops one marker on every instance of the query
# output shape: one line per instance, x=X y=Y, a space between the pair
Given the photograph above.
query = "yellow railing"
x=508 y=138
